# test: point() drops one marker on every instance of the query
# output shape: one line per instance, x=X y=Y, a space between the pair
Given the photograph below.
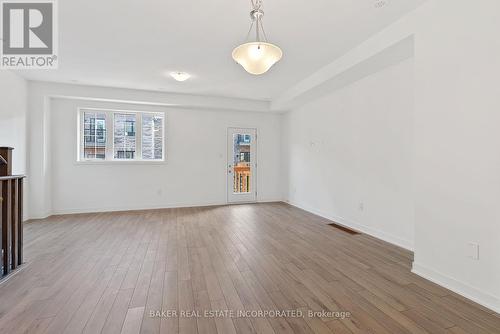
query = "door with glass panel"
x=241 y=165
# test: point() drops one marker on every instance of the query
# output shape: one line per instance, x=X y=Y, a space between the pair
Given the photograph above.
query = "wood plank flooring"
x=117 y=273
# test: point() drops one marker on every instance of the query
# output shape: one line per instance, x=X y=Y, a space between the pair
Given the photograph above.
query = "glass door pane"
x=242 y=163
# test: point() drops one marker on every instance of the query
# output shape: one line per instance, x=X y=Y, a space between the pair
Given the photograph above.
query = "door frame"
x=229 y=153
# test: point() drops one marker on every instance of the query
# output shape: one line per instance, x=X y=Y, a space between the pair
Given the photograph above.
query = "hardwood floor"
x=109 y=272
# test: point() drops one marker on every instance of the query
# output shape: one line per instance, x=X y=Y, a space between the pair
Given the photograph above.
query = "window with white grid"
x=112 y=135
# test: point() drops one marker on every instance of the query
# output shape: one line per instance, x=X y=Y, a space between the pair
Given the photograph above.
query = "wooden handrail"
x=11 y=177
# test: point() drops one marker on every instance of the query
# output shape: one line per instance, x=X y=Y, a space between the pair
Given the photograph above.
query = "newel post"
x=6 y=161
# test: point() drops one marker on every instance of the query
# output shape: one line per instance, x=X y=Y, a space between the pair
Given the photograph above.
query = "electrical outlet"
x=473 y=251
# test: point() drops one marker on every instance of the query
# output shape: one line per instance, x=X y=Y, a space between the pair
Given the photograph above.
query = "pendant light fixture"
x=259 y=56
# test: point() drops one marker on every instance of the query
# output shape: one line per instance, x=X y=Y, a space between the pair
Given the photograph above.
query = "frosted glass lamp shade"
x=257 y=57
x=180 y=76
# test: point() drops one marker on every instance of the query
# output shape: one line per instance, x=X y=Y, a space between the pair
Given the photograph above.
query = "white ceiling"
x=134 y=44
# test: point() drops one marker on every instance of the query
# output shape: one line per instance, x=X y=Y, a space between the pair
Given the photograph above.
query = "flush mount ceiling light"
x=180 y=76
x=259 y=56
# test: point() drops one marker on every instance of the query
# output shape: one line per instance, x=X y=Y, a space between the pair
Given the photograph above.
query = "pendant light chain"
x=257 y=20
x=249 y=31
x=257 y=28
x=256 y=4
x=263 y=31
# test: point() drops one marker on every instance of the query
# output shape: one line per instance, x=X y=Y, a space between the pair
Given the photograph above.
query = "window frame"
x=110 y=135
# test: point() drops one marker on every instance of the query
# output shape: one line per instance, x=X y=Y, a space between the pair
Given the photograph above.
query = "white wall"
x=13 y=96
x=40 y=98
x=194 y=172
x=457 y=146
x=13 y=110
x=355 y=146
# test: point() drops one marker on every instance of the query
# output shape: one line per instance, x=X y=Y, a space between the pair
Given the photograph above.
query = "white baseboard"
x=463 y=289
x=38 y=216
x=139 y=207
x=403 y=243
x=71 y=211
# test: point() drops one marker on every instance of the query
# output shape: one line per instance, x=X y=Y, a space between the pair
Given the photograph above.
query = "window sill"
x=119 y=162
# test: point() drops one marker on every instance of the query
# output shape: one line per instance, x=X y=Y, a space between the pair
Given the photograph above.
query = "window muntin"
x=111 y=135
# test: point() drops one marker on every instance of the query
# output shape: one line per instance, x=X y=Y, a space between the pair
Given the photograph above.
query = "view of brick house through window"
x=242 y=163
x=131 y=136
x=94 y=142
x=124 y=136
